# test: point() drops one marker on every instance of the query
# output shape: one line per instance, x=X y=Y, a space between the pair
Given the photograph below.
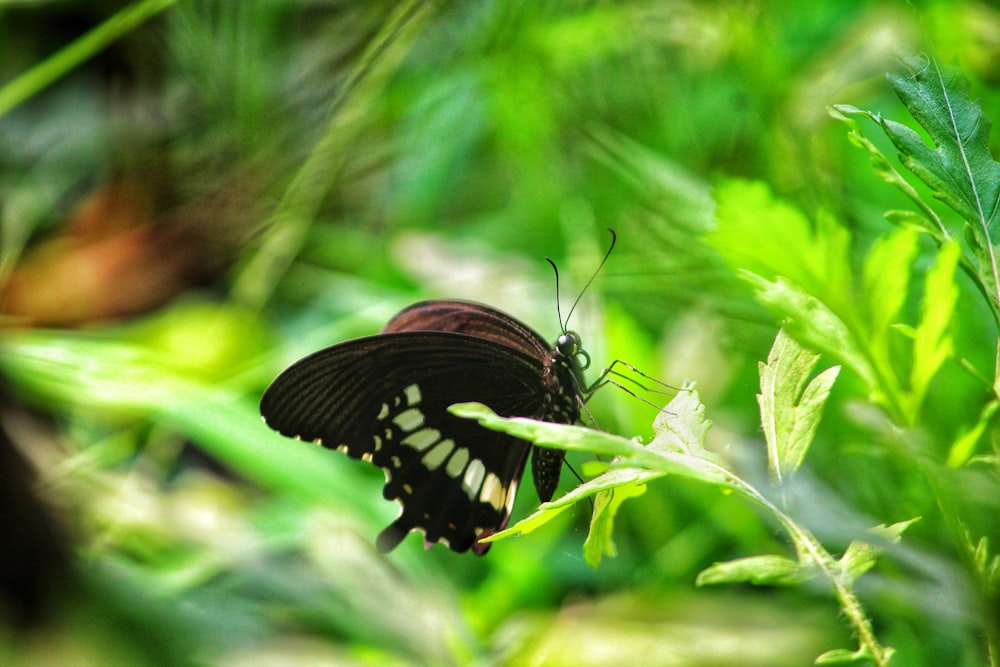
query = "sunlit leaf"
x=932 y=342
x=791 y=405
x=965 y=444
x=886 y=280
x=766 y=570
x=600 y=540
x=755 y=231
x=861 y=556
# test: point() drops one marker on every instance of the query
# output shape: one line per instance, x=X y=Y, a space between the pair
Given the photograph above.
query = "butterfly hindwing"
x=471 y=319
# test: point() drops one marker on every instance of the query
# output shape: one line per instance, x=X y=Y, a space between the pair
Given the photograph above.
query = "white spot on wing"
x=422 y=439
x=473 y=479
x=457 y=462
x=511 y=494
x=412 y=394
x=492 y=491
x=383 y=413
x=409 y=420
x=434 y=458
x=367 y=456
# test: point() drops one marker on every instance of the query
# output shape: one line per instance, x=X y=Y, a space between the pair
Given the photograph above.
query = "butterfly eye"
x=569 y=345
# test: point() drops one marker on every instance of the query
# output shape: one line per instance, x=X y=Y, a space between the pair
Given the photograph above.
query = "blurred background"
x=195 y=193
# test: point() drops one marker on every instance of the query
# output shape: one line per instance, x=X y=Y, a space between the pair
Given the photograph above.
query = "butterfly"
x=384 y=399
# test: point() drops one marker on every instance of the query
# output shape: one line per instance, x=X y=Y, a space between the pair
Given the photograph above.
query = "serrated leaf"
x=811 y=287
x=894 y=531
x=960 y=168
x=609 y=481
x=767 y=570
x=677 y=449
x=858 y=558
x=545 y=513
x=861 y=556
x=681 y=425
x=790 y=405
x=929 y=221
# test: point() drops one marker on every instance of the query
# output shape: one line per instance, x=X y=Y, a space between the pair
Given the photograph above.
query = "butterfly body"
x=384 y=399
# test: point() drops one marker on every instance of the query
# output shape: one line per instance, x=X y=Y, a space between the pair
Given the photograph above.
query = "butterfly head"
x=569 y=351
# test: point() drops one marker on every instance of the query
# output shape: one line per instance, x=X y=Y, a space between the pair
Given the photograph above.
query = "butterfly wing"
x=473 y=319
x=476 y=319
x=384 y=399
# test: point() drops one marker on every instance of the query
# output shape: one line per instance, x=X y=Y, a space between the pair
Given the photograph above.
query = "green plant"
x=802 y=272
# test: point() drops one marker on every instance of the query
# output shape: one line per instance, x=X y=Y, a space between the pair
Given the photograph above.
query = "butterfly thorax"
x=563 y=380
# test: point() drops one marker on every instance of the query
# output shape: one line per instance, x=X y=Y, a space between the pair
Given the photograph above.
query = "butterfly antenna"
x=558 y=308
x=614 y=238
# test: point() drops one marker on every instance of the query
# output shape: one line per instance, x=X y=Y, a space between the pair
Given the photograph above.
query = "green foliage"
x=678 y=449
x=959 y=169
x=815 y=292
x=791 y=405
x=397 y=151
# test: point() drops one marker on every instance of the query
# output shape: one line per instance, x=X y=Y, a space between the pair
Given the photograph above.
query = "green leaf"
x=678 y=448
x=790 y=405
x=622 y=477
x=842 y=655
x=893 y=532
x=861 y=556
x=767 y=570
x=114 y=380
x=960 y=169
x=555 y=436
x=885 y=282
x=811 y=321
x=600 y=539
x=965 y=444
x=932 y=341
x=805 y=277
x=760 y=233
x=929 y=221
x=681 y=426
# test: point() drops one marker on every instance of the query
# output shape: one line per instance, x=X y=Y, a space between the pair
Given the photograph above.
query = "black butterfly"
x=384 y=399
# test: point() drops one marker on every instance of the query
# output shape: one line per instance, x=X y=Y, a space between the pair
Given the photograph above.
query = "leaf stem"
x=806 y=542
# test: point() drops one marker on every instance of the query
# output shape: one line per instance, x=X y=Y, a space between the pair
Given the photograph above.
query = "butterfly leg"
x=606 y=378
